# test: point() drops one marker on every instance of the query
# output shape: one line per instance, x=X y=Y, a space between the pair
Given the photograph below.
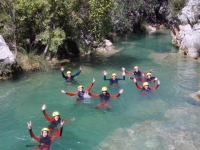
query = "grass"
x=32 y=62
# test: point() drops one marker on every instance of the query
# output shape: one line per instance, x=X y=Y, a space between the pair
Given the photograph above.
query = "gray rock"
x=186 y=29
x=8 y=63
x=5 y=54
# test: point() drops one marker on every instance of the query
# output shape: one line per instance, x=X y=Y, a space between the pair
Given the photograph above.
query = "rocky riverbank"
x=185 y=29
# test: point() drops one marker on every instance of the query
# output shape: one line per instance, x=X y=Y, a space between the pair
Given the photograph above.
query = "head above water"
x=104 y=89
x=146 y=85
x=149 y=74
x=136 y=68
x=45 y=132
x=68 y=73
x=114 y=75
x=80 y=88
x=56 y=115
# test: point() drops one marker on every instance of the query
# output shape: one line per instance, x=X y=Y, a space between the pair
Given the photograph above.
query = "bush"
x=175 y=7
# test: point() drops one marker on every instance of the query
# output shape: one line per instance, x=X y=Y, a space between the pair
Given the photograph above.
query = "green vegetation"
x=175 y=7
x=68 y=28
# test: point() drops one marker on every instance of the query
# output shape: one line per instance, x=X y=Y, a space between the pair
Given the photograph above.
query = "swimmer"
x=54 y=120
x=148 y=78
x=105 y=97
x=81 y=93
x=45 y=139
x=145 y=86
x=69 y=76
x=137 y=73
x=114 y=80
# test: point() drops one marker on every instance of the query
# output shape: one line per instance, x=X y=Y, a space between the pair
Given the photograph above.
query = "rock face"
x=186 y=29
x=106 y=47
x=8 y=63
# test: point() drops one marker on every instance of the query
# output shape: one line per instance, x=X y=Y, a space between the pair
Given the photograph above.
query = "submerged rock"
x=107 y=47
x=196 y=96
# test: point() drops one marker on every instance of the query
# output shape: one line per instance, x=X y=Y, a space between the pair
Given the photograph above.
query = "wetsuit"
x=80 y=94
x=137 y=74
x=142 y=88
x=45 y=142
x=104 y=99
x=145 y=79
x=53 y=122
x=113 y=81
x=72 y=76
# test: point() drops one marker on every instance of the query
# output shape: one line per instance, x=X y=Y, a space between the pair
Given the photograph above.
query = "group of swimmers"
x=51 y=132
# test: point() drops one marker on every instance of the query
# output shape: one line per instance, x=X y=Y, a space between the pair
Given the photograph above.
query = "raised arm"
x=117 y=95
x=31 y=132
x=94 y=95
x=104 y=77
x=123 y=74
x=69 y=93
x=90 y=86
x=80 y=69
x=59 y=134
x=68 y=120
x=148 y=71
x=45 y=114
x=155 y=87
x=62 y=71
x=137 y=85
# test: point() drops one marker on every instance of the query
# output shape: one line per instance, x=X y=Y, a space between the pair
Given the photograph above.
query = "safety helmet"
x=136 y=67
x=114 y=74
x=55 y=113
x=104 y=89
x=145 y=83
x=45 y=129
x=149 y=74
x=68 y=72
x=80 y=86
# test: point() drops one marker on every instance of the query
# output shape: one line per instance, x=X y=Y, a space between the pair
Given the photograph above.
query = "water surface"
x=164 y=119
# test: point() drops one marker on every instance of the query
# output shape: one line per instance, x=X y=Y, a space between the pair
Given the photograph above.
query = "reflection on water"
x=163 y=119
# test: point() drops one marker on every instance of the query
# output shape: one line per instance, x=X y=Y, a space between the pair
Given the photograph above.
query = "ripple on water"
x=179 y=130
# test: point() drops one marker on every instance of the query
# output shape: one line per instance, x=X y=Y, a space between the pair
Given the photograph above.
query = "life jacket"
x=150 y=79
x=137 y=74
x=81 y=94
x=114 y=81
x=54 y=123
x=105 y=97
x=45 y=140
x=69 y=79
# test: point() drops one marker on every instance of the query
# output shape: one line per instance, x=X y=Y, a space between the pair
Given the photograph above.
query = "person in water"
x=81 y=93
x=137 y=73
x=148 y=78
x=69 y=77
x=54 y=120
x=114 y=80
x=45 y=139
x=105 y=97
x=145 y=86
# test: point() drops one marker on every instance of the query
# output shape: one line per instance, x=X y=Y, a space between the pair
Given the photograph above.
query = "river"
x=165 y=119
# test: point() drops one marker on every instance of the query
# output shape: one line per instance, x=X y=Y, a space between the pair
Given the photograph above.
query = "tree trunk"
x=14 y=31
x=45 y=50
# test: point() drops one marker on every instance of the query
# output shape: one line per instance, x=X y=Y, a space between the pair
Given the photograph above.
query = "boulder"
x=186 y=30
x=5 y=54
x=151 y=29
x=8 y=63
x=107 y=43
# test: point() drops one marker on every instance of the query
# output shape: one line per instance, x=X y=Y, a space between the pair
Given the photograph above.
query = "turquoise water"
x=164 y=119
